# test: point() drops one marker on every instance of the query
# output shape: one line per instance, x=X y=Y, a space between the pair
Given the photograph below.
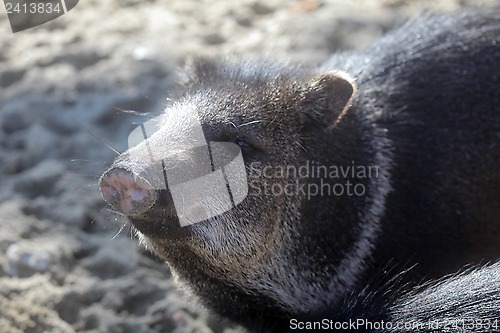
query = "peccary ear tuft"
x=198 y=69
x=328 y=97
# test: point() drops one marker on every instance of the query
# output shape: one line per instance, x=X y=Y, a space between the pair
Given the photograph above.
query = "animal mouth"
x=160 y=221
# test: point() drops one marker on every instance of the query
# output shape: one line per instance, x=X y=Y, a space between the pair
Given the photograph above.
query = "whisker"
x=81 y=160
x=250 y=123
x=119 y=231
x=83 y=189
x=300 y=145
x=101 y=140
x=135 y=112
x=113 y=211
x=234 y=125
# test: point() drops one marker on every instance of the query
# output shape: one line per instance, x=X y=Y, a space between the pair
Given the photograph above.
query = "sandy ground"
x=67 y=264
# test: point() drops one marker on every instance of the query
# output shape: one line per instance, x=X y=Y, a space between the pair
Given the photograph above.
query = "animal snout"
x=126 y=192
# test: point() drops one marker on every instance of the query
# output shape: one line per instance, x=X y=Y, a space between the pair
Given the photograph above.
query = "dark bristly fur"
x=465 y=302
x=423 y=105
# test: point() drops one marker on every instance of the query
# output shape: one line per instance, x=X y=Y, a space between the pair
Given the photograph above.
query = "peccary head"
x=292 y=244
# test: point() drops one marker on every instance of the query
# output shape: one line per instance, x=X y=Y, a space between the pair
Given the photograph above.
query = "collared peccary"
x=388 y=157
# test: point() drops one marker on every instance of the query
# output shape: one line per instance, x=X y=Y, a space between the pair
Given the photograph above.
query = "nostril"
x=126 y=193
x=108 y=191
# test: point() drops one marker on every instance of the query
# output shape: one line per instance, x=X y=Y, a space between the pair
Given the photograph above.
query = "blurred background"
x=67 y=264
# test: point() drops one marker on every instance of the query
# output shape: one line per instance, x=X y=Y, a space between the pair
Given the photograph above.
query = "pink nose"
x=121 y=190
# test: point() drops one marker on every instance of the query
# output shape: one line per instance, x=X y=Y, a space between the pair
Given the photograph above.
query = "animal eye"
x=243 y=144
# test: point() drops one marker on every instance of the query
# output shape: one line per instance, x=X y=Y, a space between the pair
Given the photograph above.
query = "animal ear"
x=199 y=68
x=328 y=97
